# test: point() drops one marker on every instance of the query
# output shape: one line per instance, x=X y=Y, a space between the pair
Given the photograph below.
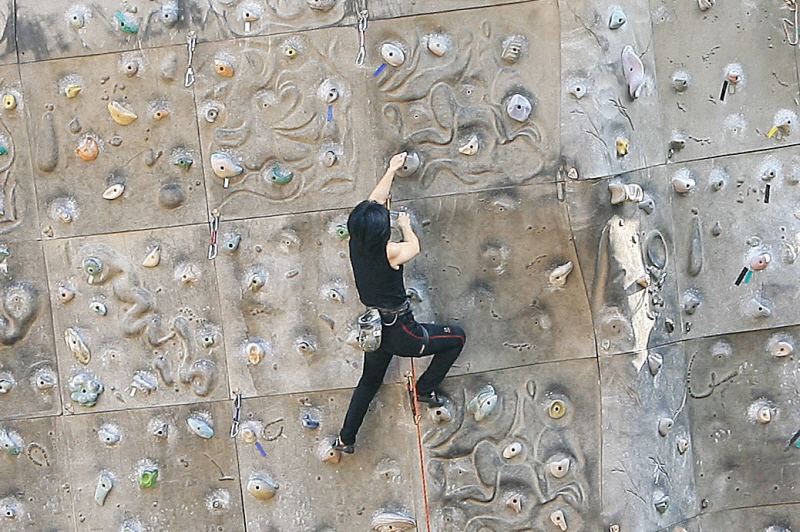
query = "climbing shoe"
x=431 y=399
x=339 y=446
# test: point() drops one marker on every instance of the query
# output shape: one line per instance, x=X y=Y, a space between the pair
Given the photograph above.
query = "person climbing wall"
x=378 y=269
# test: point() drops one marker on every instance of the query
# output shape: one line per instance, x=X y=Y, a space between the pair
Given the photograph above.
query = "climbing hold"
x=76 y=17
x=617 y=19
x=130 y=68
x=578 y=89
x=255 y=352
x=72 y=90
x=680 y=80
x=9 y=102
x=159 y=429
x=440 y=414
x=634 y=71
x=98 y=308
x=683 y=182
x=200 y=424
x=760 y=261
x=93 y=266
x=665 y=425
x=438 y=44
x=153 y=258
x=223 y=67
x=334 y=294
x=77 y=346
x=781 y=347
x=290 y=51
x=782 y=122
x=184 y=162
x=515 y=502
x=280 y=177
x=512 y=49
x=704 y=5
x=470 y=147
x=483 y=404
x=120 y=115
x=144 y=381
x=392 y=54
x=109 y=434
x=622 y=192
x=65 y=294
x=47 y=144
x=559 y=468
x=88 y=149
x=114 y=191
x=691 y=300
x=309 y=422
x=262 y=486
x=734 y=73
x=519 y=107
x=342 y=232
x=622 y=145
x=764 y=414
x=329 y=158
x=661 y=502
x=304 y=347
x=757 y=308
x=557 y=409
x=392 y=522
x=411 y=165
x=558 y=277
x=126 y=23
x=648 y=205
x=45 y=379
x=717 y=229
x=683 y=445
x=678 y=141
x=171 y=196
x=170 y=14
x=148 y=477
x=85 y=389
x=558 y=519
x=11 y=442
x=218 y=501
x=696 y=248
x=249 y=435
x=104 y=485
x=224 y=166
x=160 y=113
x=6 y=384
x=512 y=449
x=256 y=280
x=321 y=5
x=654 y=363
x=232 y=244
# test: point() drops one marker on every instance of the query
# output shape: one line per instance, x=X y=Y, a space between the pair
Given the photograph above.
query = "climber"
x=378 y=269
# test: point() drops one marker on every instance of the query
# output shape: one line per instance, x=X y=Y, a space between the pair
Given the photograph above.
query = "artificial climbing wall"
x=607 y=198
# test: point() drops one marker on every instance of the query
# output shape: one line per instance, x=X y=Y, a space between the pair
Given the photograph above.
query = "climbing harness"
x=212 y=248
x=191 y=39
x=363 y=22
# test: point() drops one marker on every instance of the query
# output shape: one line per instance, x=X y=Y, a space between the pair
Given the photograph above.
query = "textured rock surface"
x=606 y=198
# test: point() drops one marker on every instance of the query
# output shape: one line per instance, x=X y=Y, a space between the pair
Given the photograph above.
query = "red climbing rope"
x=412 y=387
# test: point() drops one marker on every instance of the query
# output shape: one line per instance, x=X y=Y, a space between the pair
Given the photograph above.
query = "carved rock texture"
x=607 y=207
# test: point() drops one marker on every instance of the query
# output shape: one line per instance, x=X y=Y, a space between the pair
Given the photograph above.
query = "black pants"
x=403 y=338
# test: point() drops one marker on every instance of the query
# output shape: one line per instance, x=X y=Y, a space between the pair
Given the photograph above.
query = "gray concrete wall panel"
x=28 y=368
x=150 y=335
x=516 y=448
x=318 y=492
x=737 y=222
x=648 y=458
x=62 y=28
x=762 y=96
x=470 y=118
x=624 y=237
x=278 y=119
x=393 y=8
x=132 y=465
x=608 y=126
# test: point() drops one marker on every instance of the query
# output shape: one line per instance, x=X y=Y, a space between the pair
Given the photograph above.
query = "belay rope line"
x=412 y=388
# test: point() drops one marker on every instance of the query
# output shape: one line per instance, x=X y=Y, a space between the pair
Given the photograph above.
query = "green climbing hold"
x=148 y=477
x=126 y=24
x=342 y=232
x=3 y=150
x=279 y=177
x=93 y=266
x=184 y=162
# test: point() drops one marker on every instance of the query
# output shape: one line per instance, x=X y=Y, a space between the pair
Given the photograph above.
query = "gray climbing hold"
x=47 y=144
x=309 y=422
x=660 y=501
x=696 y=248
x=172 y=196
x=224 y=166
x=656 y=250
x=411 y=165
x=519 y=107
x=633 y=69
x=392 y=522
x=648 y=205
x=104 y=485
x=665 y=425
x=321 y=5
x=170 y=14
x=200 y=424
x=483 y=404
x=392 y=54
x=680 y=80
x=232 y=243
x=617 y=19
x=109 y=434
x=691 y=300
x=654 y=363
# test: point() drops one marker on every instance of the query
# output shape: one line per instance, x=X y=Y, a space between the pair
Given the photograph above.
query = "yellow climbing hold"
x=120 y=115
x=70 y=91
x=9 y=102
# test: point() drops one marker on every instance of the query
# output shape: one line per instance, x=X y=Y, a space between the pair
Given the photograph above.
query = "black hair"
x=369 y=226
